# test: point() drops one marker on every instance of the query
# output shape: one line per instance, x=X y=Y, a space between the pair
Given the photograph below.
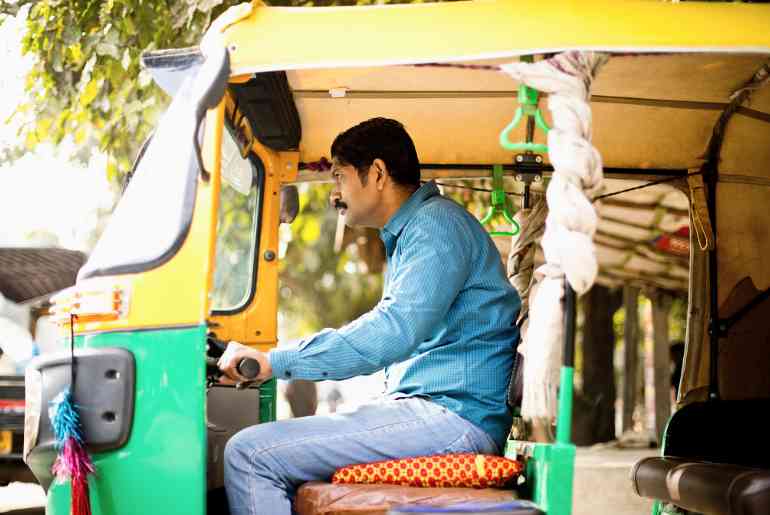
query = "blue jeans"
x=267 y=463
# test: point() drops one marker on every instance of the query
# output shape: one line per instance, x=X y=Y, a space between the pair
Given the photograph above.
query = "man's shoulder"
x=443 y=214
x=439 y=207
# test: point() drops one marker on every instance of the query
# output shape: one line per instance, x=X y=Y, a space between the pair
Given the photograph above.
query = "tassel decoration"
x=73 y=460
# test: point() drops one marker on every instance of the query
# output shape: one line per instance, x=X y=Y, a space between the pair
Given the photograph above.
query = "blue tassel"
x=65 y=419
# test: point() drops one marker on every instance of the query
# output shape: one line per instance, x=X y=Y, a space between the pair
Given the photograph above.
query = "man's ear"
x=379 y=167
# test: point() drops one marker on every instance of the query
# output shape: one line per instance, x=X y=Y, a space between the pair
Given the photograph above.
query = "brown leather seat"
x=708 y=488
x=318 y=498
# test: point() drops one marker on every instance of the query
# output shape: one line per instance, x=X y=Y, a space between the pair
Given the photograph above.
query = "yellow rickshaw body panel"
x=174 y=294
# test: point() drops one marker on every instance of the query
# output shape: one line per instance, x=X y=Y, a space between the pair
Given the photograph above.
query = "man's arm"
x=434 y=265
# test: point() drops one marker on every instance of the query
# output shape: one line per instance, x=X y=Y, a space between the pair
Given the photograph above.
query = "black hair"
x=379 y=138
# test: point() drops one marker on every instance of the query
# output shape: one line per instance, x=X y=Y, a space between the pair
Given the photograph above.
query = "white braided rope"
x=568 y=239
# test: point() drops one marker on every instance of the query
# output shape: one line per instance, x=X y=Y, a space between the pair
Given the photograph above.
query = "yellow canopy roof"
x=654 y=104
x=287 y=38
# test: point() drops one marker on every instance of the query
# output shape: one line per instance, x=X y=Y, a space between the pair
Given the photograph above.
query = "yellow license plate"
x=6 y=442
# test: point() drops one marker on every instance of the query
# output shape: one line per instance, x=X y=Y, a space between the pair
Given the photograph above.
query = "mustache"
x=338 y=204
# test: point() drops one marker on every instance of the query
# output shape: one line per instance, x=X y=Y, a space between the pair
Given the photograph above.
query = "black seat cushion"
x=709 y=488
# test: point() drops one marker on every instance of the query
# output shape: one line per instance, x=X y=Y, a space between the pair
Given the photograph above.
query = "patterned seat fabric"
x=447 y=470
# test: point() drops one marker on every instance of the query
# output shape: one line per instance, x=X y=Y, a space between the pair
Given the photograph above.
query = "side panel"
x=553 y=471
x=549 y=472
x=162 y=468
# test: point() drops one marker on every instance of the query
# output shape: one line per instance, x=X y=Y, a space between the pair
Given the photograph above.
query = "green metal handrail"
x=500 y=205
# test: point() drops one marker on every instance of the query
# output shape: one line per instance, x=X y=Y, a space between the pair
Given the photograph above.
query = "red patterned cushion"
x=447 y=470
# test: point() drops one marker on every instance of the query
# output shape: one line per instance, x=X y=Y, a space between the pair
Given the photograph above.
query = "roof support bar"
x=308 y=172
x=710 y=170
x=599 y=99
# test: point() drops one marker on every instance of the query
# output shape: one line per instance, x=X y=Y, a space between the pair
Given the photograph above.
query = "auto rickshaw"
x=254 y=110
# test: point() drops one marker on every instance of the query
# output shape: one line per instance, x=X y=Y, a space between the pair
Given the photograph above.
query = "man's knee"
x=242 y=451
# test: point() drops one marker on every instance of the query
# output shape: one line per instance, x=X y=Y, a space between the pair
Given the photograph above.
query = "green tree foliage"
x=319 y=287
x=86 y=84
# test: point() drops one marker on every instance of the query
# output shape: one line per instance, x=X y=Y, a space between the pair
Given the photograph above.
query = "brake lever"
x=215 y=347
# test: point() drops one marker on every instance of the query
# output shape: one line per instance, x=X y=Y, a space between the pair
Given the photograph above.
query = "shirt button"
x=325 y=374
x=288 y=373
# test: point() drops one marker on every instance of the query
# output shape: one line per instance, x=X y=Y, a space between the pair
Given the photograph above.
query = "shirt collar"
x=395 y=225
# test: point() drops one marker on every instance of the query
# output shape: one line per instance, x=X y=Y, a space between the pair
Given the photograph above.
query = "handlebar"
x=248 y=368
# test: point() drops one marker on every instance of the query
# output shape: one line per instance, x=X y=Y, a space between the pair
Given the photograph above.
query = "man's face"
x=361 y=200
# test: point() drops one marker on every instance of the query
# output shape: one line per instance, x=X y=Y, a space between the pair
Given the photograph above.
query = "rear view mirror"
x=289 y=204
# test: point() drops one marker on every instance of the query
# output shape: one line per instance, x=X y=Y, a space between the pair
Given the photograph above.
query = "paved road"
x=17 y=496
x=603 y=485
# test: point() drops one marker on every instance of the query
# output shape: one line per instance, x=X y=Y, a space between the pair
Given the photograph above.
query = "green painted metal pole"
x=561 y=475
x=564 y=418
x=267 y=401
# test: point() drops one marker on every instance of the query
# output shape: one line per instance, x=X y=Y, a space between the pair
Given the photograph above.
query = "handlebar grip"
x=248 y=368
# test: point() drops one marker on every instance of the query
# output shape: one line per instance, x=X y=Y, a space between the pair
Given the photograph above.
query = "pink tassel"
x=75 y=463
x=73 y=460
x=81 y=504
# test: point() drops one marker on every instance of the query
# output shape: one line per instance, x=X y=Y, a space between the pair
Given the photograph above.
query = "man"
x=443 y=331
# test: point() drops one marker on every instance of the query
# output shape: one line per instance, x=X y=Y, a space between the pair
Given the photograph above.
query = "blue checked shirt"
x=444 y=328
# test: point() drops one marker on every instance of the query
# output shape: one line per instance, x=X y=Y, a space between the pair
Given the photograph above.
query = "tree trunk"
x=661 y=305
x=595 y=408
x=303 y=398
x=630 y=355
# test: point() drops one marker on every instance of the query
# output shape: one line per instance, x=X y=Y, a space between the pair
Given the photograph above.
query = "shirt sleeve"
x=434 y=264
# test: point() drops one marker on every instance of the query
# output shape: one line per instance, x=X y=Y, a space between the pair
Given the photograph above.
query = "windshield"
x=237 y=228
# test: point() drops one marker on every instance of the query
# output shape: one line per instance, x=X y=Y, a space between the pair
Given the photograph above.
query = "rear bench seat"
x=716 y=460
x=709 y=488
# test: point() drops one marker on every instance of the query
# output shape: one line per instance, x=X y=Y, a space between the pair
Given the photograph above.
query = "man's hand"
x=233 y=355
